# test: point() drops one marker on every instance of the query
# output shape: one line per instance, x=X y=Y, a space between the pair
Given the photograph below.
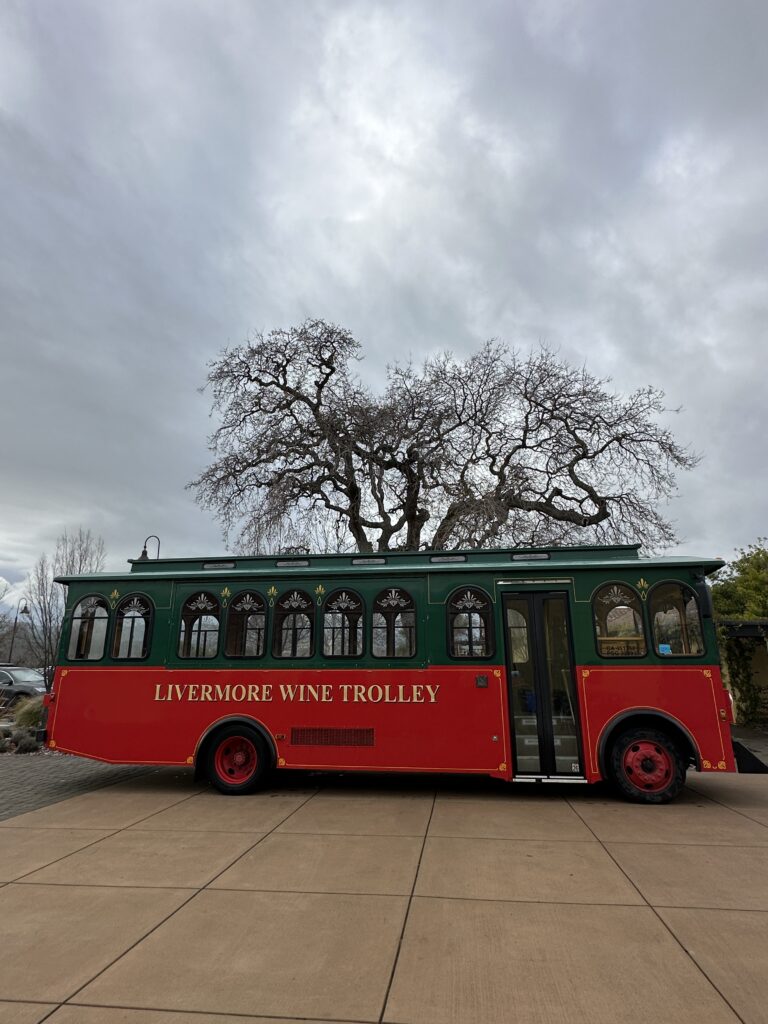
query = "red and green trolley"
x=532 y=665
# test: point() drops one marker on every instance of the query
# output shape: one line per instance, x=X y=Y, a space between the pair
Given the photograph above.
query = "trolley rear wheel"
x=236 y=759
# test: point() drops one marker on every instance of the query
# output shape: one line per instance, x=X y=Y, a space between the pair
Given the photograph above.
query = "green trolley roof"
x=583 y=556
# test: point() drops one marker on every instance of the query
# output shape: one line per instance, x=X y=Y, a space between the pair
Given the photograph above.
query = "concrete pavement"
x=156 y=901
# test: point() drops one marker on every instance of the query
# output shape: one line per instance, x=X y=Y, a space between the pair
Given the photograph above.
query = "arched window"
x=343 y=625
x=394 y=625
x=199 y=633
x=246 y=625
x=131 y=639
x=618 y=616
x=88 y=632
x=292 y=633
x=675 y=620
x=470 y=624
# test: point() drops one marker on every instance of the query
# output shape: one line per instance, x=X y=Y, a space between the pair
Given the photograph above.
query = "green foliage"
x=28 y=713
x=27 y=745
x=741 y=589
x=741 y=592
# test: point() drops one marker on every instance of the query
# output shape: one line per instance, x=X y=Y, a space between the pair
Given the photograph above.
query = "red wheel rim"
x=647 y=766
x=236 y=759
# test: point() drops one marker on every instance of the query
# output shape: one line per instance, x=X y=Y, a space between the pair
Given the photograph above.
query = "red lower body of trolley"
x=448 y=718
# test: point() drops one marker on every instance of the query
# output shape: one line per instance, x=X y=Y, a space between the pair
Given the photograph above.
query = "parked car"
x=17 y=682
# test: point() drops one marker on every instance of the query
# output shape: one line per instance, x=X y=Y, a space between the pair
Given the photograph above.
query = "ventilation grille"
x=332 y=737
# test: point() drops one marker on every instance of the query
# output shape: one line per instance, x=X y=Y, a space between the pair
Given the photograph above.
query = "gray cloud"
x=176 y=175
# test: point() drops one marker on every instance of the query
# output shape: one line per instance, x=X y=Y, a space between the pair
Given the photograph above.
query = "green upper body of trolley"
x=429 y=577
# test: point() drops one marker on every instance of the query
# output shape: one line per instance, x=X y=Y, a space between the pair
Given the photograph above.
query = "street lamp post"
x=22 y=611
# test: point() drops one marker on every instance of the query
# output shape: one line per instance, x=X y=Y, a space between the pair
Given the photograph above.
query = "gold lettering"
x=388 y=698
x=402 y=699
x=374 y=698
x=418 y=693
x=433 y=692
x=180 y=690
x=238 y=692
x=253 y=691
x=345 y=688
x=192 y=691
x=205 y=691
x=288 y=692
x=158 y=687
x=266 y=691
x=222 y=692
x=359 y=693
x=326 y=693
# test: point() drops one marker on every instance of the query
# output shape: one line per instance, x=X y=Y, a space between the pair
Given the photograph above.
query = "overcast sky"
x=177 y=175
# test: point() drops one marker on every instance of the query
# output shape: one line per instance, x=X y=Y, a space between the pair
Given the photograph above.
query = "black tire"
x=232 y=744
x=646 y=766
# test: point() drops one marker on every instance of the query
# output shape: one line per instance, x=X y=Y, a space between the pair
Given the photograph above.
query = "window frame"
x=361 y=627
x=279 y=615
x=374 y=611
x=683 y=586
x=180 y=623
x=150 y=623
x=643 y=622
x=490 y=626
x=230 y=608
x=107 y=631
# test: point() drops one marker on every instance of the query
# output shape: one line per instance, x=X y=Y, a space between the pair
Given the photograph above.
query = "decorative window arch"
x=294 y=626
x=618 y=617
x=675 y=620
x=133 y=620
x=343 y=625
x=470 y=624
x=199 y=630
x=88 y=632
x=246 y=626
x=393 y=627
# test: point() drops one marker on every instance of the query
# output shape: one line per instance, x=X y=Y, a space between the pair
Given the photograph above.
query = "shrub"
x=27 y=745
x=29 y=713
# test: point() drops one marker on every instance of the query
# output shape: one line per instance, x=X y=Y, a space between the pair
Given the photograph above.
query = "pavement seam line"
x=64 y=856
x=193 y=893
x=720 y=803
x=659 y=918
x=207 y=1013
x=260 y=840
x=407 y=911
x=98 y=785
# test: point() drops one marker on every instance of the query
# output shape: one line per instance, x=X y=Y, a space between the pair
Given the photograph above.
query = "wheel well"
x=651 y=720
x=210 y=734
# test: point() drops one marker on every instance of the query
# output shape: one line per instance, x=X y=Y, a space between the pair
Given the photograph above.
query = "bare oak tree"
x=499 y=448
x=80 y=552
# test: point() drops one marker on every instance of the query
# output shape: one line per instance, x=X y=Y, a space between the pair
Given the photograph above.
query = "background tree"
x=740 y=592
x=495 y=449
x=5 y=621
x=80 y=552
